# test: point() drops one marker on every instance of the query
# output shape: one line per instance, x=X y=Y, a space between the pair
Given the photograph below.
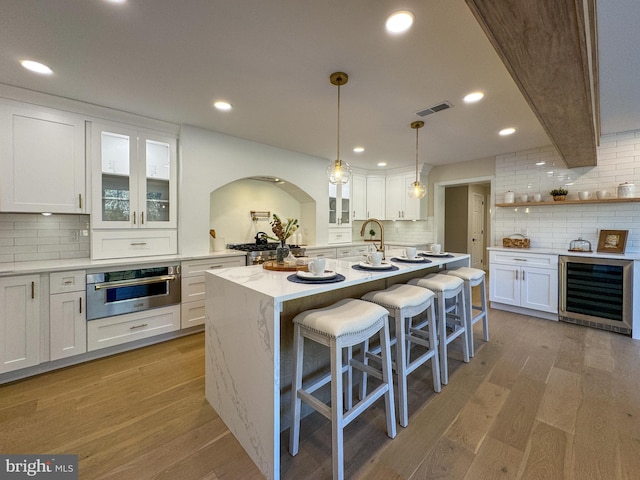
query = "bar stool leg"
x=466 y=322
x=387 y=378
x=401 y=367
x=483 y=306
x=336 y=412
x=298 y=349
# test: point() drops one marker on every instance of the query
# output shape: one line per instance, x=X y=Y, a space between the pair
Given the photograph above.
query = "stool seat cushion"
x=346 y=317
x=467 y=273
x=400 y=296
x=438 y=282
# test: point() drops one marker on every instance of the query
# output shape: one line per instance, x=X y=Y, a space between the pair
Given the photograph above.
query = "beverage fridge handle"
x=562 y=291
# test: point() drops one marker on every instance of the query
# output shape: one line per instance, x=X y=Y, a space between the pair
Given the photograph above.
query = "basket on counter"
x=517 y=240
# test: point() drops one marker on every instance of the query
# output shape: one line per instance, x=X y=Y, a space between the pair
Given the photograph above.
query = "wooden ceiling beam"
x=549 y=47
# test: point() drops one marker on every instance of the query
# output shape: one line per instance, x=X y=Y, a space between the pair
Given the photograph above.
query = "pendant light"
x=417 y=189
x=339 y=172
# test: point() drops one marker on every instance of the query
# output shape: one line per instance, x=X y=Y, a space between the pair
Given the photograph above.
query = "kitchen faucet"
x=375 y=220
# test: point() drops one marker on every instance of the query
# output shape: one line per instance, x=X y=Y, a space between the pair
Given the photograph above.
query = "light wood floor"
x=541 y=400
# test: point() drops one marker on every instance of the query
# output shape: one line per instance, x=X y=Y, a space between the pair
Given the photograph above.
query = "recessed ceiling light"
x=36 y=67
x=473 y=97
x=540 y=163
x=382 y=164
x=507 y=131
x=400 y=21
x=116 y=1
x=222 y=105
x=358 y=149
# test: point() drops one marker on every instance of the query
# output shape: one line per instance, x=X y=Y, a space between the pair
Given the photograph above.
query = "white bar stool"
x=344 y=324
x=404 y=302
x=473 y=277
x=447 y=287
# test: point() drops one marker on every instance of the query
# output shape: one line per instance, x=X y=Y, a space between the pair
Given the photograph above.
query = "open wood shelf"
x=568 y=202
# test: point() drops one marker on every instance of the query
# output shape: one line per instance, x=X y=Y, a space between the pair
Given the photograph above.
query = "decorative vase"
x=559 y=198
x=282 y=252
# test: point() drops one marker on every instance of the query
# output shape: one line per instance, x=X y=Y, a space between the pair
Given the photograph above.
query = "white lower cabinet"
x=524 y=280
x=321 y=252
x=19 y=322
x=111 y=331
x=132 y=243
x=67 y=314
x=193 y=293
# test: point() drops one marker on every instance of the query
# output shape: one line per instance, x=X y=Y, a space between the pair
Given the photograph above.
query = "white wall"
x=555 y=226
x=210 y=160
x=231 y=205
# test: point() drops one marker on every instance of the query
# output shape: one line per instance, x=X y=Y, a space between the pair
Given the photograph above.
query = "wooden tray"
x=273 y=265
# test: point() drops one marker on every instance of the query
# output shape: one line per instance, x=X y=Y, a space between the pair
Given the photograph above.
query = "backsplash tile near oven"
x=27 y=237
x=555 y=226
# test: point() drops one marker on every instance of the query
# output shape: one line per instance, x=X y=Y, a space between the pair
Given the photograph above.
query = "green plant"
x=372 y=232
x=558 y=191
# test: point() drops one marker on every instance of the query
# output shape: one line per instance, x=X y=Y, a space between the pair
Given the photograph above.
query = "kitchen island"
x=249 y=336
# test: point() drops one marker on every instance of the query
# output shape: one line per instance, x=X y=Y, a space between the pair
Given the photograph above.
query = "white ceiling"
x=169 y=59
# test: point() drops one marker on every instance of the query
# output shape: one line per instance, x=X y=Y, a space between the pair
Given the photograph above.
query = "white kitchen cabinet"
x=19 y=322
x=134 y=178
x=398 y=205
x=193 y=292
x=376 y=197
x=339 y=205
x=526 y=282
x=359 y=196
x=42 y=160
x=67 y=314
x=321 y=252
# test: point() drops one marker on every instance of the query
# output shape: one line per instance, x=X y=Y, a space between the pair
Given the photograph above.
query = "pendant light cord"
x=417 y=154
x=338 y=154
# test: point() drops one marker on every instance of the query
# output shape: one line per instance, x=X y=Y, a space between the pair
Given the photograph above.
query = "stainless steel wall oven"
x=116 y=292
x=596 y=292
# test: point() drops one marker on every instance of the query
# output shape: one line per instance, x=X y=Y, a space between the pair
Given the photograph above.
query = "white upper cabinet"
x=134 y=178
x=42 y=160
x=339 y=204
x=399 y=206
x=359 y=196
x=376 y=198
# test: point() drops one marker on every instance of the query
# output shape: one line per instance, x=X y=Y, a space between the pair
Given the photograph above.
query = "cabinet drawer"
x=321 y=252
x=119 y=244
x=339 y=235
x=192 y=314
x=362 y=249
x=525 y=259
x=61 y=282
x=107 y=332
x=198 y=267
x=343 y=252
x=192 y=288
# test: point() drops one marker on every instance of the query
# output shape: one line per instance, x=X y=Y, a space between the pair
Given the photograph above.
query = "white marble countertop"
x=45 y=266
x=551 y=251
x=275 y=284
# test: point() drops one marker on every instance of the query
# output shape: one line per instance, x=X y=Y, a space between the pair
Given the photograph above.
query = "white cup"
x=524 y=198
x=537 y=197
x=374 y=258
x=410 y=252
x=601 y=194
x=316 y=265
x=584 y=195
x=435 y=248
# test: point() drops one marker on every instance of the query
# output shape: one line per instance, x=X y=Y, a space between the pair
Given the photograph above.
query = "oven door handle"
x=135 y=282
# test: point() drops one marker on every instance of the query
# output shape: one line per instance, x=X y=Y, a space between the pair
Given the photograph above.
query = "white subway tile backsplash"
x=29 y=237
x=555 y=226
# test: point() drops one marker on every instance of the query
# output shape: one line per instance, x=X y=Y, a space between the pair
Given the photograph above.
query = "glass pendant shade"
x=339 y=172
x=417 y=189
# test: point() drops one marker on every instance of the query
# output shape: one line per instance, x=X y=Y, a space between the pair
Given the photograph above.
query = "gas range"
x=258 y=253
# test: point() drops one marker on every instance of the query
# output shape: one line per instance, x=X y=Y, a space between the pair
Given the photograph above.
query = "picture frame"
x=612 y=241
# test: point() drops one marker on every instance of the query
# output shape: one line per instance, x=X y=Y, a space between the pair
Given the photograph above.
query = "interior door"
x=477 y=231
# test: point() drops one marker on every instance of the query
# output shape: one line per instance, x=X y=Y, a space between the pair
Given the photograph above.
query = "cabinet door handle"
x=80 y=303
x=523 y=272
x=80 y=200
x=33 y=290
x=516 y=274
x=142 y=325
x=134 y=218
x=137 y=244
x=520 y=259
x=141 y=218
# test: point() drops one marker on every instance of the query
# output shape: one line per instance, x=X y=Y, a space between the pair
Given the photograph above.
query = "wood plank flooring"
x=541 y=400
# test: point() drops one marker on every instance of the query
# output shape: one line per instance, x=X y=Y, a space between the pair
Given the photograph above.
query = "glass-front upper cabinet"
x=339 y=206
x=134 y=185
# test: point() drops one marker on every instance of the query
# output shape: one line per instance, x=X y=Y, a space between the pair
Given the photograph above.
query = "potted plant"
x=559 y=194
x=372 y=233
